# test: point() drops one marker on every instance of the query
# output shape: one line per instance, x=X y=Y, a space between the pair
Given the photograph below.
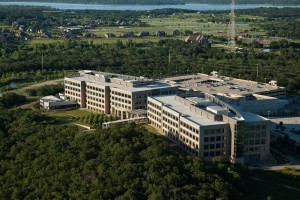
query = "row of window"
x=213 y=153
x=121 y=94
x=120 y=105
x=170 y=115
x=72 y=83
x=255 y=135
x=95 y=88
x=155 y=123
x=95 y=99
x=214 y=131
x=121 y=100
x=255 y=127
x=154 y=111
x=72 y=88
x=95 y=104
x=189 y=142
x=255 y=142
x=72 y=93
x=154 y=105
x=194 y=130
x=155 y=118
x=189 y=134
x=95 y=94
x=213 y=139
x=254 y=149
x=214 y=146
x=95 y=109
x=167 y=120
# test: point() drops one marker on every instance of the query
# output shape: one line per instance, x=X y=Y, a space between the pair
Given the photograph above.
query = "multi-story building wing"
x=214 y=84
x=113 y=93
x=210 y=128
x=97 y=98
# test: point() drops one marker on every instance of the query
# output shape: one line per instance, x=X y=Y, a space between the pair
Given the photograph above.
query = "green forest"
x=43 y=159
x=160 y=2
x=151 y=60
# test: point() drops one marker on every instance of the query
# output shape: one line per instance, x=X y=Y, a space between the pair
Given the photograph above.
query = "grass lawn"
x=279 y=185
x=69 y=113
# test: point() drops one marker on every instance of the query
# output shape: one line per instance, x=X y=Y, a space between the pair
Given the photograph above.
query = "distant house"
x=127 y=34
x=110 y=35
x=89 y=35
x=143 y=34
x=196 y=39
x=176 y=33
x=20 y=34
x=161 y=34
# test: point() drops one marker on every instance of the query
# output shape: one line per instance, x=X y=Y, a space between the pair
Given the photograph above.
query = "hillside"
x=159 y=2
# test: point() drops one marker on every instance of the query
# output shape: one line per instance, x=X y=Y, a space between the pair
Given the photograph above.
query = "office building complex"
x=113 y=93
x=207 y=117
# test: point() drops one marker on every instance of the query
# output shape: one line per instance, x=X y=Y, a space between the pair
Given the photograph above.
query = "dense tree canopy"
x=151 y=60
x=42 y=160
x=9 y=100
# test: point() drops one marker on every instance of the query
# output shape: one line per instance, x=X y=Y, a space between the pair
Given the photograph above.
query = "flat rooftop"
x=170 y=102
x=213 y=84
x=116 y=76
x=50 y=98
x=156 y=85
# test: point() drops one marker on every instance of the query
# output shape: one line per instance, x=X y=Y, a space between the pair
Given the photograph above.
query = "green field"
x=198 y=23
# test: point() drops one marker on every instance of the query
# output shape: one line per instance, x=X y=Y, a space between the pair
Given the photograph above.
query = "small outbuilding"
x=53 y=103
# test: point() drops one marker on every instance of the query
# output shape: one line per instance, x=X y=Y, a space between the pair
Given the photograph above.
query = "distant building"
x=176 y=33
x=89 y=35
x=161 y=34
x=143 y=34
x=196 y=39
x=127 y=34
x=110 y=35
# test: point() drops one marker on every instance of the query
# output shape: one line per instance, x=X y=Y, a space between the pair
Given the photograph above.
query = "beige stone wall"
x=75 y=90
x=95 y=98
x=120 y=102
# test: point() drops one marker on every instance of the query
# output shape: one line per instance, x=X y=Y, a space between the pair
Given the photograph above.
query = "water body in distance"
x=200 y=7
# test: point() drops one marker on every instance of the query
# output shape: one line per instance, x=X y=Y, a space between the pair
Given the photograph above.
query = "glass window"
x=206 y=139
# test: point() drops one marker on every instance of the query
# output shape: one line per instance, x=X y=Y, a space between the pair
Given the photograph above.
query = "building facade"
x=213 y=130
x=113 y=93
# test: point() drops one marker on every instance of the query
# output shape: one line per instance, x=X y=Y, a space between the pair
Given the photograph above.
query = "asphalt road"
x=21 y=90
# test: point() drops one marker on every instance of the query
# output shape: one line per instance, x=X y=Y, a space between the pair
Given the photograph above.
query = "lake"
x=200 y=7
